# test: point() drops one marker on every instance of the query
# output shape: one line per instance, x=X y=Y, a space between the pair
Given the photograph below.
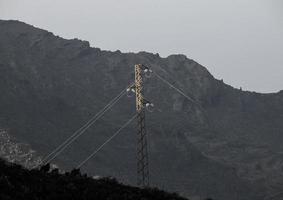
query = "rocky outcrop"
x=18 y=153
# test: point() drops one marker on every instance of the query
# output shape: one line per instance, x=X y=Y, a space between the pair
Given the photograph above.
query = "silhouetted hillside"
x=226 y=147
x=45 y=184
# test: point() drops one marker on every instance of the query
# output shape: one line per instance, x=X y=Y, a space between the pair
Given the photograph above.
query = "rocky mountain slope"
x=225 y=146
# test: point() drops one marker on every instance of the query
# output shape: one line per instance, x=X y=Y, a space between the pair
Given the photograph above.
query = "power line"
x=82 y=129
x=182 y=93
x=177 y=89
x=108 y=140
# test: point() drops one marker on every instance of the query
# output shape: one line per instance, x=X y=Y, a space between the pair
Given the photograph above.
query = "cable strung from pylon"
x=81 y=130
x=108 y=140
x=181 y=92
x=177 y=89
x=86 y=126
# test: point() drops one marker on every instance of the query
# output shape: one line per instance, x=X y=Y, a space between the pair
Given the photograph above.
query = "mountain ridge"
x=146 y=53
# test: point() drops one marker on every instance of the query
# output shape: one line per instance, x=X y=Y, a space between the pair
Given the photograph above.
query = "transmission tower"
x=142 y=152
x=141 y=104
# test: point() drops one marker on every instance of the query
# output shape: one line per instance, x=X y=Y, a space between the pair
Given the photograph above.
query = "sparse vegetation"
x=44 y=183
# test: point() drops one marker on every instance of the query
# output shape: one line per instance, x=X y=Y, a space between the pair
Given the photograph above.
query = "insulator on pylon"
x=130 y=92
x=149 y=107
x=147 y=72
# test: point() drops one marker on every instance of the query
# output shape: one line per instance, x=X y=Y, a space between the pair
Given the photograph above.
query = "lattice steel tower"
x=141 y=105
x=142 y=151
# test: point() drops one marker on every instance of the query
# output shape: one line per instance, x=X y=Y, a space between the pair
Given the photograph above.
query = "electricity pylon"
x=141 y=104
x=142 y=151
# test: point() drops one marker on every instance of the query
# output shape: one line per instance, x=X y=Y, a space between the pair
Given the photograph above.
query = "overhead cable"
x=82 y=129
x=107 y=141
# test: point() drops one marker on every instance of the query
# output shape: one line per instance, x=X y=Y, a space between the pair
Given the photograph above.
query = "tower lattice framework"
x=142 y=149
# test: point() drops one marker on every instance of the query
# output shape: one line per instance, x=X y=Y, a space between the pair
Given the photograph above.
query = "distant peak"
x=178 y=56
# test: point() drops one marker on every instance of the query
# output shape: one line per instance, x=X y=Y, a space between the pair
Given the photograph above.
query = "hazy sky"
x=240 y=41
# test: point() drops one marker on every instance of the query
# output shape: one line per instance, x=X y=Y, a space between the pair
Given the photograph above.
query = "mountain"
x=19 y=183
x=226 y=144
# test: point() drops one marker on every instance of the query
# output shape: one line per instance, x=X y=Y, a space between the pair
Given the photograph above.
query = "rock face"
x=15 y=152
x=225 y=145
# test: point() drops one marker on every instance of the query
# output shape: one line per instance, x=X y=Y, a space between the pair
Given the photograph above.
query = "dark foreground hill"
x=45 y=184
x=228 y=146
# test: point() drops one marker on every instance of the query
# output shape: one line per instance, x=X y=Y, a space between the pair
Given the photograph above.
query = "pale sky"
x=239 y=41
